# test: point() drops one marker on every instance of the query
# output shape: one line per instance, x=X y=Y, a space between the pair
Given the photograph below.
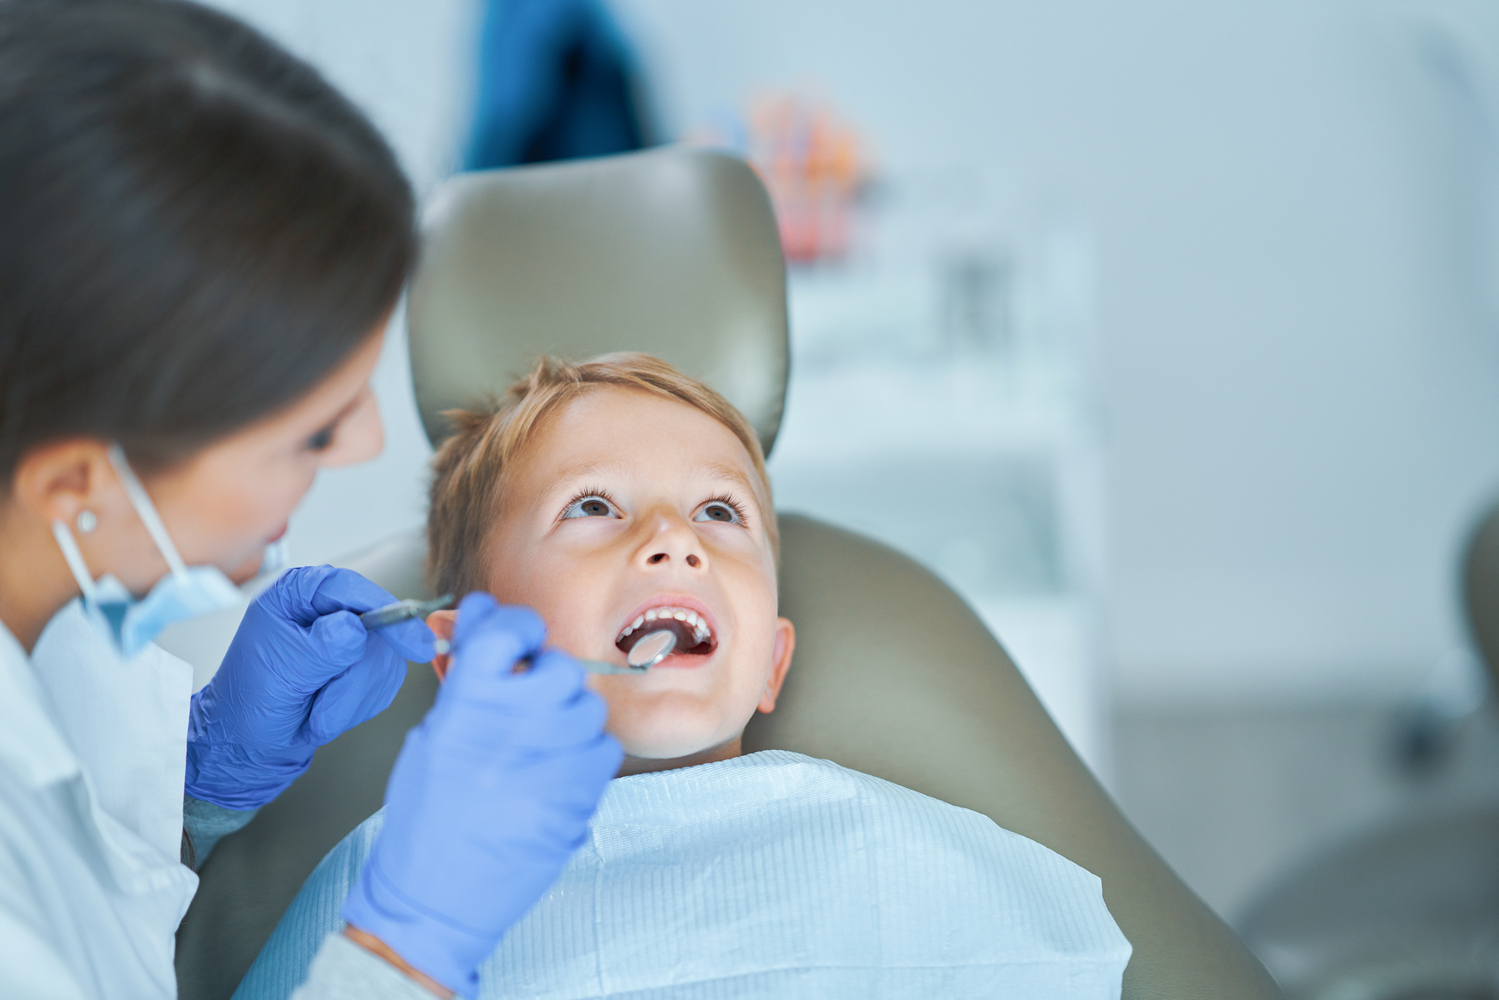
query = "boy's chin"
x=678 y=751
x=671 y=729
x=658 y=750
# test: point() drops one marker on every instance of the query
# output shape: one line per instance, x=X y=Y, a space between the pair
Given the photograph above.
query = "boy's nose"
x=691 y=559
x=674 y=541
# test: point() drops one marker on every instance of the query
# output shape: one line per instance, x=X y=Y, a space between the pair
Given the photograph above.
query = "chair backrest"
x=675 y=252
x=580 y=258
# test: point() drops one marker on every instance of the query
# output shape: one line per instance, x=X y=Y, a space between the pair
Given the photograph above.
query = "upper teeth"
x=700 y=630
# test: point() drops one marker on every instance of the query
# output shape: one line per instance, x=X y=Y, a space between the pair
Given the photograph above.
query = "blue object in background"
x=557 y=81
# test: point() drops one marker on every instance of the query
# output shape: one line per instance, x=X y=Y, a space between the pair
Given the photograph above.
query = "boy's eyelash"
x=601 y=494
x=729 y=501
x=722 y=498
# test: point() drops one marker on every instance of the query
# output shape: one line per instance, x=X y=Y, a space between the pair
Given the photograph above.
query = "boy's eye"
x=717 y=510
x=590 y=506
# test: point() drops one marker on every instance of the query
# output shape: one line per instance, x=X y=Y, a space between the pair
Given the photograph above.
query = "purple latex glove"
x=302 y=669
x=492 y=793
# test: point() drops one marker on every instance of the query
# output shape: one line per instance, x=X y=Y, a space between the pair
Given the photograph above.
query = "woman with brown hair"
x=200 y=245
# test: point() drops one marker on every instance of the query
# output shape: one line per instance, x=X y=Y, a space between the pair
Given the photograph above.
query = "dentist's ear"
x=441 y=623
x=56 y=481
x=785 y=645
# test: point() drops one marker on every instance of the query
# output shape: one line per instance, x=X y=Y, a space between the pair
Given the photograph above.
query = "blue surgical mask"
x=122 y=618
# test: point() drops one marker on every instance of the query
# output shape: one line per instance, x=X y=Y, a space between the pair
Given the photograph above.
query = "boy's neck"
x=645 y=765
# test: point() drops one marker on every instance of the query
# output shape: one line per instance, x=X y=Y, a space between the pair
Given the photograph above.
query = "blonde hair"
x=468 y=467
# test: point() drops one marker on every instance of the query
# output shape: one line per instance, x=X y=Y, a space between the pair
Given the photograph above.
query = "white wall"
x=410 y=66
x=1301 y=382
x=1301 y=390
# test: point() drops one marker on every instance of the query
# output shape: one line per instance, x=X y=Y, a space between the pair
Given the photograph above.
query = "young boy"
x=615 y=498
x=618 y=497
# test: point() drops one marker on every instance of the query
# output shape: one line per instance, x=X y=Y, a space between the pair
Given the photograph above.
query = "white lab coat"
x=92 y=754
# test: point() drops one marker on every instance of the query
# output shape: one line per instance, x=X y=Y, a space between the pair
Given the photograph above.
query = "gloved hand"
x=492 y=793
x=301 y=670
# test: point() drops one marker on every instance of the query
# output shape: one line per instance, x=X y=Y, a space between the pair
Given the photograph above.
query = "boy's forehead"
x=610 y=430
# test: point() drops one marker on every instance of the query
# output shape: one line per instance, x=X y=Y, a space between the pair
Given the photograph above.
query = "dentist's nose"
x=674 y=541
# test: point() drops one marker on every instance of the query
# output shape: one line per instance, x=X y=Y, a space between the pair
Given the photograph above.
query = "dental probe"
x=645 y=654
x=401 y=611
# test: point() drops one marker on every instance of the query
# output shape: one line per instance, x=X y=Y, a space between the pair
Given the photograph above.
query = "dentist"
x=200 y=245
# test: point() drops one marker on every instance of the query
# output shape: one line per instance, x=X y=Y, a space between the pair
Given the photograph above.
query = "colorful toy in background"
x=813 y=162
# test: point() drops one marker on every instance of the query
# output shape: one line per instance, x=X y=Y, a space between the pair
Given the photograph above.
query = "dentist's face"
x=223 y=505
x=626 y=513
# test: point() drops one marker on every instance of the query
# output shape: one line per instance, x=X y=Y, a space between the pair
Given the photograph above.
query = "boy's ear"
x=441 y=623
x=785 y=645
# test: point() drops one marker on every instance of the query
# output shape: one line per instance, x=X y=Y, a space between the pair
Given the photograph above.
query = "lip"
x=681 y=661
x=678 y=661
x=281 y=533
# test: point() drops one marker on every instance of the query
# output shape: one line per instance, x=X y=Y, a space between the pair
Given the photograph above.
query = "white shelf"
x=981 y=466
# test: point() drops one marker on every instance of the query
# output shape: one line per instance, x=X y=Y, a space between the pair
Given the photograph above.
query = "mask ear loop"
x=74 y=559
x=145 y=510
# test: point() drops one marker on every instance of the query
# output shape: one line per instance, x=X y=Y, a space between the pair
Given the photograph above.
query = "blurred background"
x=1167 y=332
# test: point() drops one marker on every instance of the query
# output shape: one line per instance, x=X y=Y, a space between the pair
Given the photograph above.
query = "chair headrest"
x=672 y=251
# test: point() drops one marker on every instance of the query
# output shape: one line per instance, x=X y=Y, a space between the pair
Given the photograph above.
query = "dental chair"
x=675 y=252
x=1408 y=910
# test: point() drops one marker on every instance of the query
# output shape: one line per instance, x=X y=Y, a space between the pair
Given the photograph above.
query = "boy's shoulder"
x=770 y=777
x=776 y=795
x=778 y=854
x=771 y=855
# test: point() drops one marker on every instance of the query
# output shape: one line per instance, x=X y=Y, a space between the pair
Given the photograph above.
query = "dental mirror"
x=645 y=654
x=651 y=650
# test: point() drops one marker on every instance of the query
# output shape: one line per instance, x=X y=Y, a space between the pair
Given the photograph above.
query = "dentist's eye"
x=723 y=509
x=590 y=505
x=322 y=440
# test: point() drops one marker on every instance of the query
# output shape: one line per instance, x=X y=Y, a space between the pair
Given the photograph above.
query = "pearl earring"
x=87 y=521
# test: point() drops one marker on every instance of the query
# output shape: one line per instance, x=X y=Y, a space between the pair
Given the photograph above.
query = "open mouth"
x=694 y=636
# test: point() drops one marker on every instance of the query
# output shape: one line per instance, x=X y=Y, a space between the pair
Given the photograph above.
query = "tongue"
x=686 y=641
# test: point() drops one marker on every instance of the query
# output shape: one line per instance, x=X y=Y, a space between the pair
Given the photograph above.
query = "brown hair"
x=468 y=467
x=197 y=227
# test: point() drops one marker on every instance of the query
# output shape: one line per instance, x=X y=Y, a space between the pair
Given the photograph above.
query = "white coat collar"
x=139 y=840
x=125 y=721
x=130 y=875
x=31 y=744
